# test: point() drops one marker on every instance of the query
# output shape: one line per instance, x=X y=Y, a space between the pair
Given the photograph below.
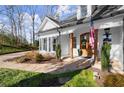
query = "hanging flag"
x=92 y=31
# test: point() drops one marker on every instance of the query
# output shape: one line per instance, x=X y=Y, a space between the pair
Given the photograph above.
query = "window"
x=40 y=45
x=49 y=44
x=74 y=42
x=84 y=40
x=54 y=44
x=45 y=44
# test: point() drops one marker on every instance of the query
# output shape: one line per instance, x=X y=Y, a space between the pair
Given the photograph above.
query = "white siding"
x=65 y=45
x=109 y=22
x=48 y=25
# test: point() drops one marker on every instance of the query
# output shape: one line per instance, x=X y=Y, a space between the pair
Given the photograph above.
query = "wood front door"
x=84 y=45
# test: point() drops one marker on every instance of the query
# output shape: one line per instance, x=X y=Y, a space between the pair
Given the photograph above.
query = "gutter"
x=59 y=35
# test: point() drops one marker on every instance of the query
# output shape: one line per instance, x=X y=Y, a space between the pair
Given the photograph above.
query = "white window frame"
x=45 y=44
x=53 y=43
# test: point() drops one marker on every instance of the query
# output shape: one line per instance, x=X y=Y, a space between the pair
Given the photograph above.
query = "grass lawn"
x=8 y=49
x=13 y=78
x=84 y=79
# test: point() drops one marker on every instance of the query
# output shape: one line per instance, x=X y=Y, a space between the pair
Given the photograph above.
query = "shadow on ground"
x=46 y=80
x=78 y=65
x=51 y=79
x=38 y=81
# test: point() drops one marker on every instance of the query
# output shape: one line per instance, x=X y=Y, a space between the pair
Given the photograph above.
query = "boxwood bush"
x=84 y=79
x=105 y=56
x=58 y=51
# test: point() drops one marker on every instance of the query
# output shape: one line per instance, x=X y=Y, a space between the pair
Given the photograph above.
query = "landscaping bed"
x=34 y=57
x=18 y=78
x=114 y=80
x=109 y=79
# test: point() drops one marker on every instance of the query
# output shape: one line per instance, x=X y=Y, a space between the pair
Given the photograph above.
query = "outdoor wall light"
x=107 y=36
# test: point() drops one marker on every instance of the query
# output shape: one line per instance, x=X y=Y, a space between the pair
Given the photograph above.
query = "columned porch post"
x=71 y=44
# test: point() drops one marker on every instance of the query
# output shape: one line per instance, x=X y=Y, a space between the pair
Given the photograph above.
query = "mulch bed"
x=52 y=61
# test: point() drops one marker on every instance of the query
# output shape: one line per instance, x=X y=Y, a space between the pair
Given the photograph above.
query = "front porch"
x=71 y=40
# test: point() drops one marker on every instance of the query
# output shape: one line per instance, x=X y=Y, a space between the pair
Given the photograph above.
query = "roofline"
x=94 y=19
x=48 y=19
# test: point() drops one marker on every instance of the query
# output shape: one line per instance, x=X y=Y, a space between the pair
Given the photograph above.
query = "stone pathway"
x=49 y=67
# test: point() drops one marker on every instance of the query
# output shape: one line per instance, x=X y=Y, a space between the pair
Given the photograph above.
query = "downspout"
x=123 y=42
x=59 y=41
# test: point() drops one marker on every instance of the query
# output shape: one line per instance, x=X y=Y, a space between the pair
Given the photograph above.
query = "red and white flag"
x=92 y=31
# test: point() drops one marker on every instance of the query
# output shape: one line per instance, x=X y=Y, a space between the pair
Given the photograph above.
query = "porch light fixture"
x=107 y=36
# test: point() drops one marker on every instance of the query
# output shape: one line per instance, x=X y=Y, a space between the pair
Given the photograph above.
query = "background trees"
x=16 y=24
x=19 y=24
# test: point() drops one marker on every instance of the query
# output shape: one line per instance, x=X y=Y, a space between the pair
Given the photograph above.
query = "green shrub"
x=58 y=51
x=39 y=57
x=105 y=55
x=114 y=80
x=24 y=46
x=84 y=79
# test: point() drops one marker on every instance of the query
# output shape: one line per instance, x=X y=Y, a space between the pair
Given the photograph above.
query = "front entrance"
x=84 y=45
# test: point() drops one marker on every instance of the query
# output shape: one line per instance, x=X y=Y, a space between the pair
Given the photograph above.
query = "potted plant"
x=79 y=52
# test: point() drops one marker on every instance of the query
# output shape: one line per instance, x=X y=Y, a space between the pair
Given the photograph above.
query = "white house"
x=76 y=29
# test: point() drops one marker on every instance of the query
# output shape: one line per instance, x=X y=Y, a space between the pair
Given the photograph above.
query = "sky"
x=41 y=11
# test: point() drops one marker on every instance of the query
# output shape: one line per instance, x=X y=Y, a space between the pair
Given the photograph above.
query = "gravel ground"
x=49 y=67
